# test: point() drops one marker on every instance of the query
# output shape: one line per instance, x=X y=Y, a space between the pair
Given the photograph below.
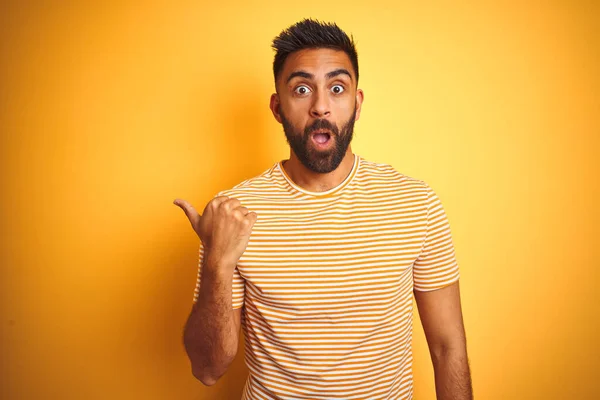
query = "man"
x=318 y=257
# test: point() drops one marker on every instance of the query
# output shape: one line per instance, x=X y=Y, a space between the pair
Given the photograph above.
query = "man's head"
x=316 y=99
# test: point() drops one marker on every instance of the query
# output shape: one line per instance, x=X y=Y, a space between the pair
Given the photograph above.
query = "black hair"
x=312 y=34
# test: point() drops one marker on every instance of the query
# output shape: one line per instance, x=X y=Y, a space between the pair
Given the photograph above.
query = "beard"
x=320 y=161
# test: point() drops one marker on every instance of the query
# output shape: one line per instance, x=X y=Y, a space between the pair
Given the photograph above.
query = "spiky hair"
x=312 y=34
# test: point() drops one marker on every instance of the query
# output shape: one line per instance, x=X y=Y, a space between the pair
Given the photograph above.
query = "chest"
x=296 y=257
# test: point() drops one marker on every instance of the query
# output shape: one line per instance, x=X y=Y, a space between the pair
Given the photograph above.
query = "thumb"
x=189 y=211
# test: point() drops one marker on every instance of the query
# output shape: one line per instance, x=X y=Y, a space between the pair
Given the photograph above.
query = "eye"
x=337 y=89
x=302 y=89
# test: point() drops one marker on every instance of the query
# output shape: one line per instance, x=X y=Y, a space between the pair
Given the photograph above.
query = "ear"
x=274 y=106
x=360 y=96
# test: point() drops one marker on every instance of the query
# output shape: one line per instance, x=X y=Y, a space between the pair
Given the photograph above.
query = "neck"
x=316 y=182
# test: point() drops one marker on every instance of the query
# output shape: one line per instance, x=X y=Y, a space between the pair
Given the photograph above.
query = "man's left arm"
x=441 y=317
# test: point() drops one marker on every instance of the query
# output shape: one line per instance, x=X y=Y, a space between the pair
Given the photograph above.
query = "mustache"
x=321 y=124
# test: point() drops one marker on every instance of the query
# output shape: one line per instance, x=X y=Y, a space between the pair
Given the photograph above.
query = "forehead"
x=317 y=62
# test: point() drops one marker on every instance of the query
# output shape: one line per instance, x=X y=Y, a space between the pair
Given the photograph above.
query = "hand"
x=224 y=228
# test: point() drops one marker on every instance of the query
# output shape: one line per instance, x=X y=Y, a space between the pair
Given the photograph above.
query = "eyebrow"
x=329 y=75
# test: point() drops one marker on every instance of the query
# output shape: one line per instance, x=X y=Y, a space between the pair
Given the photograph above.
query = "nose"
x=320 y=107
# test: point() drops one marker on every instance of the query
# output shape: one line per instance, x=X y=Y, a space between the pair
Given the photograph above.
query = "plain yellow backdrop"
x=110 y=110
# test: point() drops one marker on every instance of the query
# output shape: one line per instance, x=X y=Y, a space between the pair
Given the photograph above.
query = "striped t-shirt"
x=327 y=278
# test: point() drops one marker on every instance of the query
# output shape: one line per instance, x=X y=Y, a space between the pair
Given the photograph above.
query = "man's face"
x=317 y=103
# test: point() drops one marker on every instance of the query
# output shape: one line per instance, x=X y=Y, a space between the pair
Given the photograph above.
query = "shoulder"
x=374 y=173
x=260 y=185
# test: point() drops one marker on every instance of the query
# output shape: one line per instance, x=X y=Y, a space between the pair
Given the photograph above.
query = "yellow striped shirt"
x=327 y=278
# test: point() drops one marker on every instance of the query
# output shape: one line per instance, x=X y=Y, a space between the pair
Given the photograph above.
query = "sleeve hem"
x=431 y=289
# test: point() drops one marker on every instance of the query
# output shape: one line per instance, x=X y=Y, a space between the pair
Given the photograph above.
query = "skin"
x=307 y=93
x=303 y=100
x=439 y=310
x=442 y=320
x=212 y=331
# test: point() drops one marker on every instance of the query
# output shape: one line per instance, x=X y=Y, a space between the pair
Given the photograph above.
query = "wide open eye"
x=337 y=89
x=302 y=89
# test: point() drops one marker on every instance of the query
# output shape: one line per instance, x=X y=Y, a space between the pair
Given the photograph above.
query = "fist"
x=224 y=228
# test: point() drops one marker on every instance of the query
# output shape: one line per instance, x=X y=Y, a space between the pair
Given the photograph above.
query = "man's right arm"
x=211 y=334
x=212 y=331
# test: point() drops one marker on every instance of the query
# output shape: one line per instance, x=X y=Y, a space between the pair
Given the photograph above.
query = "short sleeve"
x=436 y=265
x=238 y=285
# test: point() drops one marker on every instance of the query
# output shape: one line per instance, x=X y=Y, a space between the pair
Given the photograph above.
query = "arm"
x=211 y=333
x=442 y=321
x=212 y=330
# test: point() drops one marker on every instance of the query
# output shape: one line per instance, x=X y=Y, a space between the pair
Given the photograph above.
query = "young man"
x=318 y=257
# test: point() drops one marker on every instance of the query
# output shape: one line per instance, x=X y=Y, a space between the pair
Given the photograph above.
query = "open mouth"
x=321 y=136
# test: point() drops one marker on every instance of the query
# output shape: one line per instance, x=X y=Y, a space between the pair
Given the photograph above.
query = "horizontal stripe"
x=326 y=282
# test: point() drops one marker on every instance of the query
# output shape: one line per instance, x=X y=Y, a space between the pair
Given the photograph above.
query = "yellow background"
x=109 y=111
